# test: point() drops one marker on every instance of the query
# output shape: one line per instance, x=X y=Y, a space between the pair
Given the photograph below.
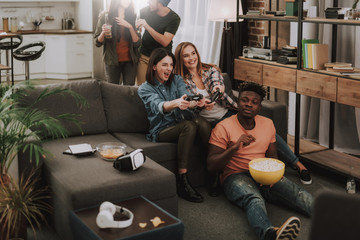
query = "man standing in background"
x=160 y=24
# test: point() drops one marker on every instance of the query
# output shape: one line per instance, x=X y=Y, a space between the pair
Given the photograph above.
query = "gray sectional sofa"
x=114 y=113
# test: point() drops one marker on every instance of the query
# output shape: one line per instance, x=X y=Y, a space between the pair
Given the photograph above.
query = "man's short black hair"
x=253 y=87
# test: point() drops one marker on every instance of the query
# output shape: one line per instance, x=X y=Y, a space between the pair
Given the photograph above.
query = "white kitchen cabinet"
x=69 y=56
x=66 y=56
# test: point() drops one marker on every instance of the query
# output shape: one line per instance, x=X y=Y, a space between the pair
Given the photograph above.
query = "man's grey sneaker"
x=305 y=177
x=289 y=230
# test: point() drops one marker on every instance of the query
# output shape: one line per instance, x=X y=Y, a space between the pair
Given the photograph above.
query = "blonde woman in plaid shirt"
x=205 y=79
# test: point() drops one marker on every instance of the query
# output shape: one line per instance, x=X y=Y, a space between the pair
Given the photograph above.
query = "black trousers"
x=184 y=134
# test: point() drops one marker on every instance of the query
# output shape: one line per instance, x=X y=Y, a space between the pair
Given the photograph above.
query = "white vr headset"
x=105 y=217
x=131 y=161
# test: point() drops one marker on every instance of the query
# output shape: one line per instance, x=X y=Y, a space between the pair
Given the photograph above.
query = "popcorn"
x=267 y=166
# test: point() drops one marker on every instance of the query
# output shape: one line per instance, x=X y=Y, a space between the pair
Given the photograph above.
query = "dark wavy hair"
x=130 y=17
x=253 y=87
x=156 y=56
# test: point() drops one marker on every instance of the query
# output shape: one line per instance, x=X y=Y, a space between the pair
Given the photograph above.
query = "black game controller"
x=216 y=95
x=195 y=97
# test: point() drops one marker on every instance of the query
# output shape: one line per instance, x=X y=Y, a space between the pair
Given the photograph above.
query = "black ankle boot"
x=215 y=185
x=186 y=191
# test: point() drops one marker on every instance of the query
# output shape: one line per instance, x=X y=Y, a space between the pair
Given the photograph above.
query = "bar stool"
x=6 y=44
x=22 y=54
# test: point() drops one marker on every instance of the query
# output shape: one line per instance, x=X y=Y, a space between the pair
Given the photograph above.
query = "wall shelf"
x=269 y=18
x=332 y=21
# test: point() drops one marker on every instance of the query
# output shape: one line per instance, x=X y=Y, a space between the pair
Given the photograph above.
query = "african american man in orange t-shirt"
x=237 y=140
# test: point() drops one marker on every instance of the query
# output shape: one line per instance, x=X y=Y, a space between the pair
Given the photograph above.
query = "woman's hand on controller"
x=182 y=103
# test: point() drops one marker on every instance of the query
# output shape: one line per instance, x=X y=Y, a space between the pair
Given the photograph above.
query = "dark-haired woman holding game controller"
x=171 y=116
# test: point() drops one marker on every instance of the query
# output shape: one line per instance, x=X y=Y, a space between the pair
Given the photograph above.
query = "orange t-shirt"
x=228 y=131
x=122 y=48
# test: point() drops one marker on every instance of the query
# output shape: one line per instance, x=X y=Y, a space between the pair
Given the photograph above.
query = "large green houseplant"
x=23 y=129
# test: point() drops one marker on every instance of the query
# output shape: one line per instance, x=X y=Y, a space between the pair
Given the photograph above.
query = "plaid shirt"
x=211 y=78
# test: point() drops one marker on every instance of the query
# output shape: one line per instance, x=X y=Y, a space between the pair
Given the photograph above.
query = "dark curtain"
x=233 y=40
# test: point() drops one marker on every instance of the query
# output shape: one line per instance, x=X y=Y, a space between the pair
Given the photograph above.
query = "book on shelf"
x=330 y=69
x=320 y=54
x=253 y=12
x=310 y=55
x=337 y=64
x=304 y=51
x=316 y=55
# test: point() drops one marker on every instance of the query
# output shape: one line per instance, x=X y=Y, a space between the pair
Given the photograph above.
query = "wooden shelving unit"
x=331 y=86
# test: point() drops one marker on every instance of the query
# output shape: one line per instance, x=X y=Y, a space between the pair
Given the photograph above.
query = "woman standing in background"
x=120 y=40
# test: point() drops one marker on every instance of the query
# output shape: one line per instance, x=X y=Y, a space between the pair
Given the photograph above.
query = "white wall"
x=83 y=14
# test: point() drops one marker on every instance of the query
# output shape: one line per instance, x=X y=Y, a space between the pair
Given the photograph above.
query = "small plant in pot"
x=22 y=203
x=355 y=4
x=353 y=12
x=22 y=128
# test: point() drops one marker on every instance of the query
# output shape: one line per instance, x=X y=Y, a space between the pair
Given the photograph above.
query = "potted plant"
x=23 y=129
x=353 y=13
x=355 y=4
x=22 y=203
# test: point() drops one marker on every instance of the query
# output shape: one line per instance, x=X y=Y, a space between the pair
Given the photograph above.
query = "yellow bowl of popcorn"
x=266 y=171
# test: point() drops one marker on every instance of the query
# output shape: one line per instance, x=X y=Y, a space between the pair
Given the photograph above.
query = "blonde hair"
x=180 y=68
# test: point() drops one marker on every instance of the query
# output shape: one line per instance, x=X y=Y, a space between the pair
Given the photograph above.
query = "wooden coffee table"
x=83 y=223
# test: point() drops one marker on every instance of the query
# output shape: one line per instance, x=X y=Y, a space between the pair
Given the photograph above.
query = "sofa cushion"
x=163 y=153
x=277 y=112
x=91 y=117
x=125 y=111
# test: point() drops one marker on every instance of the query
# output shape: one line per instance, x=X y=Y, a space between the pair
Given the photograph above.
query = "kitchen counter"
x=53 y=31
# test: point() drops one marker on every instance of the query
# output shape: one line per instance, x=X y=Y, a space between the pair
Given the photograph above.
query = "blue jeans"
x=284 y=152
x=241 y=189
